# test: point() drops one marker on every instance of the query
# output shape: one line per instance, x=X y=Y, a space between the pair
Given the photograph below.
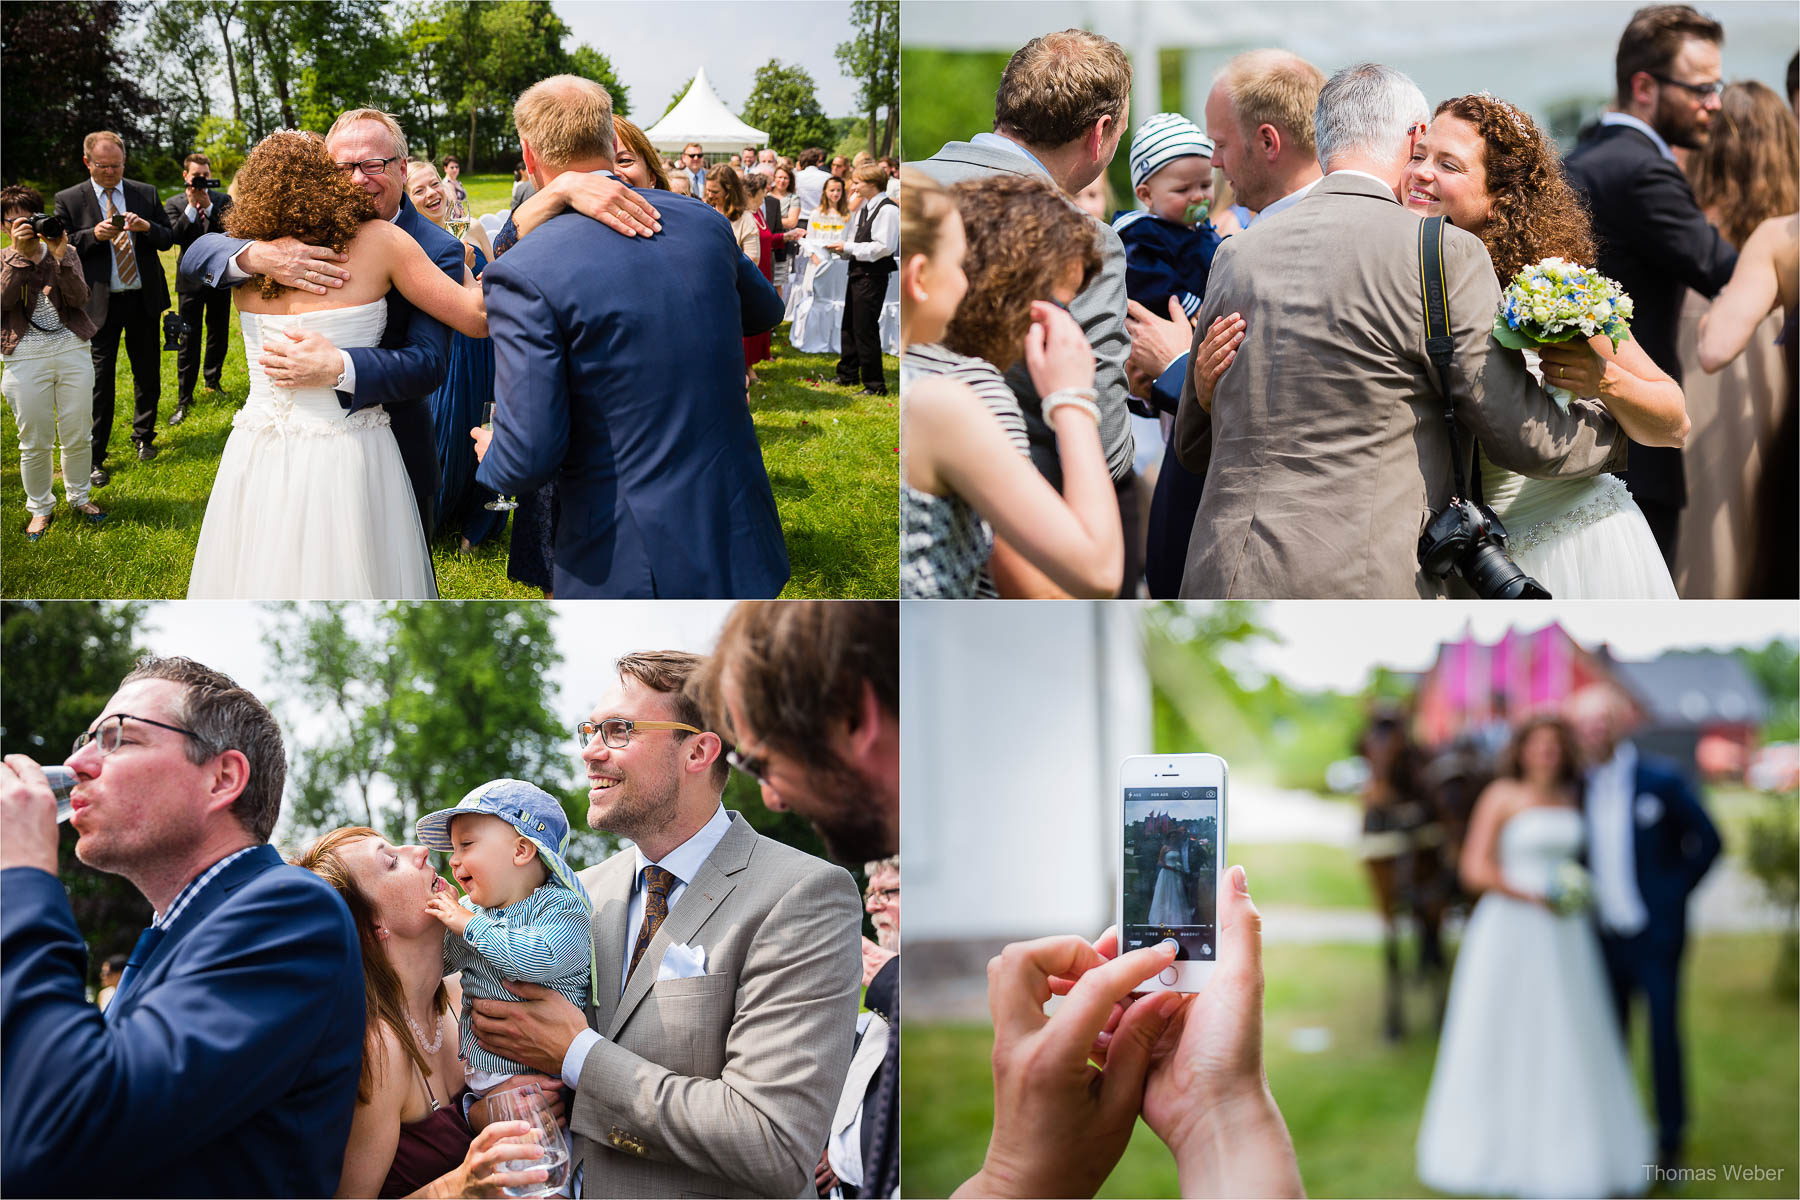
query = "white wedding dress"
x=1168 y=903
x=1532 y=1094
x=1583 y=539
x=311 y=502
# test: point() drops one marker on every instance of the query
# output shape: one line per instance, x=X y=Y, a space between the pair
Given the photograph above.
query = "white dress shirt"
x=118 y=200
x=1612 y=843
x=884 y=232
x=683 y=862
x=809 y=185
x=1294 y=197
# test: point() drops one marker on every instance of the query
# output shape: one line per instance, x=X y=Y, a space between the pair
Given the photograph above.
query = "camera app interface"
x=1171 y=882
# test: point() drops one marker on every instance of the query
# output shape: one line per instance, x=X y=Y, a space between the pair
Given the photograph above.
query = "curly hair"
x=1747 y=170
x=1022 y=235
x=290 y=187
x=1534 y=214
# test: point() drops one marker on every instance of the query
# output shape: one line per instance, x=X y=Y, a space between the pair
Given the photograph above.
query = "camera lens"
x=1497 y=577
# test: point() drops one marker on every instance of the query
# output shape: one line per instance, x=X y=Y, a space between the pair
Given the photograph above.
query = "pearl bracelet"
x=1082 y=398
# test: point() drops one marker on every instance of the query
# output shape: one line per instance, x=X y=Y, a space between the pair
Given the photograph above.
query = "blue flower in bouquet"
x=1558 y=301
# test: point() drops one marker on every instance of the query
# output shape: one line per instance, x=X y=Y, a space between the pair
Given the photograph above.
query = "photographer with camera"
x=199 y=208
x=118 y=227
x=49 y=377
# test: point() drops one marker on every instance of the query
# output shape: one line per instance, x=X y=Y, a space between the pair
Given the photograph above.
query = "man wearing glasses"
x=693 y=161
x=1653 y=238
x=230 y=1053
x=728 y=970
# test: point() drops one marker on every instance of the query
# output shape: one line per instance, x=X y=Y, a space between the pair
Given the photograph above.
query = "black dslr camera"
x=1467 y=539
x=47 y=225
x=174 y=331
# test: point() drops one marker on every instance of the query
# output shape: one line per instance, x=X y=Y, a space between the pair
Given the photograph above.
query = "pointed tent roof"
x=700 y=116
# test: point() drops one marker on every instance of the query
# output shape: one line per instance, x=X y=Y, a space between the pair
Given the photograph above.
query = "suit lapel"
x=711 y=884
x=610 y=891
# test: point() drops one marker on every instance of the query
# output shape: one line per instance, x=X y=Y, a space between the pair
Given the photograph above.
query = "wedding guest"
x=411 y=1134
x=193 y=212
x=787 y=202
x=693 y=163
x=523 y=189
x=759 y=348
x=862 y=1156
x=461 y=400
x=678 y=183
x=962 y=483
x=111 y=971
x=725 y=194
x=840 y=166
x=765 y=161
x=1168 y=243
x=1654 y=239
x=811 y=180
x=1747 y=172
x=871 y=246
x=49 y=377
x=452 y=172
x=240 y=1009
x=1061 y=109
x=1190 y=1066
x=808 y=693
x=1096 y=199
x=119 y=228
x=892 y=165
x=826 y=222
x=635 y=159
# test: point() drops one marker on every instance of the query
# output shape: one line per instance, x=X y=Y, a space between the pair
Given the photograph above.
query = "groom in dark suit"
x=1652 y=236
x=226 y=1063
x=659 y=473
x=1649 y=844
x=409 y=365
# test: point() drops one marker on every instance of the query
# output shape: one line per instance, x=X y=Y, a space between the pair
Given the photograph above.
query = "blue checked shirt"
x=543 y=939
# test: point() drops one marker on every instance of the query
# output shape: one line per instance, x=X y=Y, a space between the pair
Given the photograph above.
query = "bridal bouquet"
x=1571 y=889
x=1559 y=301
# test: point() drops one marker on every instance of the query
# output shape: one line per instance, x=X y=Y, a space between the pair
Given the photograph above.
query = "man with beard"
x=728 y=970
x=1653 y=238
x=809 y=693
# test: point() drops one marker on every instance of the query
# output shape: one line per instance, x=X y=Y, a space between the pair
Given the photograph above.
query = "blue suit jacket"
x=229 y=1068
x=1674 y=844
x=619 y=372
x=400 y=374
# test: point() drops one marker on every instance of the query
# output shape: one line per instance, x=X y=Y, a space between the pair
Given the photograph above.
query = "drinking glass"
x=528 y=1104
x=498 y=503
x=62 y=782
x=458 y=226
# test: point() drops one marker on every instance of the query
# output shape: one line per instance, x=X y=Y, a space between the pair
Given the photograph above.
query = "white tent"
x=700 y=116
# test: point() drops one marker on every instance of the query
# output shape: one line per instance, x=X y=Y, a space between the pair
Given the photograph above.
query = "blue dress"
x=456 y=408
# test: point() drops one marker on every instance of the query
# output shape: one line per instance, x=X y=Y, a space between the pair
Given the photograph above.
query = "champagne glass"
x=498 y=503
x=457 y=225
x=527 y=1104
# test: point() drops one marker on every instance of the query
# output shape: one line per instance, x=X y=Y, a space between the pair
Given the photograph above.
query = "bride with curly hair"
x=312 y=502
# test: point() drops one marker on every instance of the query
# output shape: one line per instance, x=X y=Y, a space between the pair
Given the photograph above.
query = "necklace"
x=431 y=1047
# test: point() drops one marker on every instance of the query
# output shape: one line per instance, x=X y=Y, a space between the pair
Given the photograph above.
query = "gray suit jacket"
x=1100 y=308
x=722 y=1084
x=1325 y=453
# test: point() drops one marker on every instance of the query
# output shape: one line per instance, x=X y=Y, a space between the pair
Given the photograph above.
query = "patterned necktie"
x=123 y=258
x=658 y=883
x=147 y=943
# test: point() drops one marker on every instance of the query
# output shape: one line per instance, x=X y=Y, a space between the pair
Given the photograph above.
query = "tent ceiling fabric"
x=700 y=116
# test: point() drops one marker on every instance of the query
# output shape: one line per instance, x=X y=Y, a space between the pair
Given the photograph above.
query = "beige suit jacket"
x=1326 y=453
x=722 y=1084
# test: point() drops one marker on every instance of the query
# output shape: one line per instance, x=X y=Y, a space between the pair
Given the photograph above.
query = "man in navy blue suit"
x=619 y=371
x=227 y=1062
x=1649 y=844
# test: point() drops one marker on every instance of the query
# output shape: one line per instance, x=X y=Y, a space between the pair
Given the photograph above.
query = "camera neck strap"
x=1440 y=344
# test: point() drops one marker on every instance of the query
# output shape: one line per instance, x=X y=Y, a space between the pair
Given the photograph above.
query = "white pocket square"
x=682 y=962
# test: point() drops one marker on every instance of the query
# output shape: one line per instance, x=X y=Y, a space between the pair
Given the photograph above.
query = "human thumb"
x=1240 y=931
x=1135 y=1036
x=1176 y=313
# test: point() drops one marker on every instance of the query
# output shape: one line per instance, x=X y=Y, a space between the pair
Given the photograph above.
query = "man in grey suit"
x=1063 y=104
x=1325 y=452
x=728 y=971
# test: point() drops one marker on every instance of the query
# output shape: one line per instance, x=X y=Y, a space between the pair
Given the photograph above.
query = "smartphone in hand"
x=1172 y=857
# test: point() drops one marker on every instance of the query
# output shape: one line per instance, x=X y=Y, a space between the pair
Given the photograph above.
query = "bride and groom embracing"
x=1533 y=1092
x=662 y=488
x=1314 y=409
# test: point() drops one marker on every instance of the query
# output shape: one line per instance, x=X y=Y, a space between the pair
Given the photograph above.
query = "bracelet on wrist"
x=1086 y=399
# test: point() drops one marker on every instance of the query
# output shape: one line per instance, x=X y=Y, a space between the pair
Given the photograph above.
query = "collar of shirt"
x=186 y=895
x=997 y=142
x=101 y=194
x=1631 y=122
x=685 y=860
x=1294 y=197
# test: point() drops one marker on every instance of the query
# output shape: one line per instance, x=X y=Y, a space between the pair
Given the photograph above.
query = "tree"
x=784 y=104
x=65 y=76
x=224 y=12
x=179 y=60
x=349 y=54
x=872 y=58
x=224 y=143
x=59 y=664
x=589 y=63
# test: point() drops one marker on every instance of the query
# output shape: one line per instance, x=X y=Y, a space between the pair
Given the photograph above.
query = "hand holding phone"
x=1172 y=843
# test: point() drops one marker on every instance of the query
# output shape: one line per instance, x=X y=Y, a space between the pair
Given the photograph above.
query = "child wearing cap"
x=524 y=915
x=1169 y=244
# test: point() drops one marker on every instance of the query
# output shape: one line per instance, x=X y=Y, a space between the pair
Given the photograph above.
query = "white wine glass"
x=528 y=1104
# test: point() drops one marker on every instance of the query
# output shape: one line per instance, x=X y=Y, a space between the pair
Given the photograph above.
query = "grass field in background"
x=830 y=451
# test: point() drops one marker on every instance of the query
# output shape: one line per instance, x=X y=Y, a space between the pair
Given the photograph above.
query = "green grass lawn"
x=1303 y=873
x=830 y=453
x=1354 y=1109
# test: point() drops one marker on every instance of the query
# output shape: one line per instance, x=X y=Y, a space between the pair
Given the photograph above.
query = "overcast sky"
x=654 y=47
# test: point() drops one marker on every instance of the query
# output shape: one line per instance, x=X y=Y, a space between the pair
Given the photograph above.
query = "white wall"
x=1014 y=719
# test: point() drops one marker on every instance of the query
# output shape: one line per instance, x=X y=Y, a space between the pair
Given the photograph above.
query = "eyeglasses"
x=110 y=732
x=368 y=166
x=1702 y=90
x=885 y=895
x=755 y=767
x=616 y=732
